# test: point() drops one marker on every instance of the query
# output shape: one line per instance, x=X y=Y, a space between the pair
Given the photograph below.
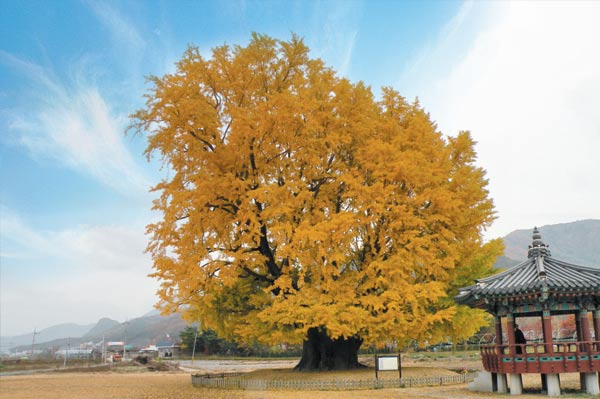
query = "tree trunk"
x=319 y=352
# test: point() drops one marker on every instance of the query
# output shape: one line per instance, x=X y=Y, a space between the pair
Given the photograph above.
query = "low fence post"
x=229 y=381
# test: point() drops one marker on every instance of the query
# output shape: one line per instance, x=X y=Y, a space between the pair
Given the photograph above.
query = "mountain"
x=143 y=331
x=153 y=312
x=139 y=332
x=103 y=325
x=48 y=334
x=576 y=242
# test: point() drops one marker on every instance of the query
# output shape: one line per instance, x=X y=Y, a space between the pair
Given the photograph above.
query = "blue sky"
x=523 y=77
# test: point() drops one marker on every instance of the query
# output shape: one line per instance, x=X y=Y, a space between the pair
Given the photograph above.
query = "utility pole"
x=67 y=351
x=33 y=341
x=103 y=350
x=194 y=348
x=125 y=342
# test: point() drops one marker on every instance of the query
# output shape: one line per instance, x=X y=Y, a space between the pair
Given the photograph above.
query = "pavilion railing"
x=542 y=357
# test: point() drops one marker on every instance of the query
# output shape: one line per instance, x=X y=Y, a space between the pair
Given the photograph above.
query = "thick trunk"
x=320 y=352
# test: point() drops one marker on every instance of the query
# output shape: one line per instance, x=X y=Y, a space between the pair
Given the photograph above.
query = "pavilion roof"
x=540 y=276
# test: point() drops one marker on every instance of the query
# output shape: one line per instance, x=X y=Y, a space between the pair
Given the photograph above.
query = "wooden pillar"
x=580 y=337
x=578 y=327
x=584 y=322
x=501 y=383
x=547 y=329
x=516 y=383
x=510 y=326
x=597 y=333
x=498 y=327
x=584 y=327
x=597 y=324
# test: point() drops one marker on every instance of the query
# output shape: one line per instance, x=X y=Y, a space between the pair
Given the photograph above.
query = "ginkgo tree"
x=299 y=208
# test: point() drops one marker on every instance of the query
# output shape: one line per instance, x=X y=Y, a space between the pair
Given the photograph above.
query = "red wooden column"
x=498 y=327
x=585 y=328
x=547 y=329
x=585 y=325
x=499 y=380
x=510 y=326
x=597 y=324
x=580 y=338
x=591 y=386
x=578 y=326
x=589 y=381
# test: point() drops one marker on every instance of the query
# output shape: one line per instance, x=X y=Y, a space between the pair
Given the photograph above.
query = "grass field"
x=129 y=383
x=176 y=385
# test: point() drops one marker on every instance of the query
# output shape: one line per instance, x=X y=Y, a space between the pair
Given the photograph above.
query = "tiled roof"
x=540 y=274
x=167 y=344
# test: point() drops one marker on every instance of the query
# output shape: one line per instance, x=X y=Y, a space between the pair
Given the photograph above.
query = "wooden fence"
x=230 y=381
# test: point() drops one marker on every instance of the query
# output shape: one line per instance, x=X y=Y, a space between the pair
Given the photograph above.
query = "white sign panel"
x=387 y=363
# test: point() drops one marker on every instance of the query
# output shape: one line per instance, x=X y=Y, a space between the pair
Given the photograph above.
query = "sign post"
x=388 y=363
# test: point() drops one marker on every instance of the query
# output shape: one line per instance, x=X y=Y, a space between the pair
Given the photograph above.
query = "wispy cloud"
x=347 y=53
x=122 y=30
x=81 y=273
x=445 y=43
x=138 y=47
x=529 y=88
x=452 y=42
x=336 y=26
x=74 y=125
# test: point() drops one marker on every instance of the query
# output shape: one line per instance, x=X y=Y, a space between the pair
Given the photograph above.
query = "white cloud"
x=347 y=54
x=529 y=91
x=75 y=126
x=432 y=55
x=74 y=275
x=335 y=32
x=85 y=248
x=122 y=30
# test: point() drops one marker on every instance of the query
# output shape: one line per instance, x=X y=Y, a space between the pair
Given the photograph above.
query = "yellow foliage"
x=296 y=200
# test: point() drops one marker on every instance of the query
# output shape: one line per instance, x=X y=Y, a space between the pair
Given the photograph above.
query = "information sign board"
x=388 y=363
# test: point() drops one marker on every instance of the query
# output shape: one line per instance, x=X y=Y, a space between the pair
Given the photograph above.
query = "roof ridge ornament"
x=541 y=270
x=537 y=247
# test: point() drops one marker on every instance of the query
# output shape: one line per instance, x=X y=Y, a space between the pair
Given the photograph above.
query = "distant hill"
x=139 y=332
x=144 y=331
x=105 y=324
x=48 y=334
x=153 y=312
x=576 y=242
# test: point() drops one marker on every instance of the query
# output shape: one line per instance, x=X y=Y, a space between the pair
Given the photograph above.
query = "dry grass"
x=177 y=385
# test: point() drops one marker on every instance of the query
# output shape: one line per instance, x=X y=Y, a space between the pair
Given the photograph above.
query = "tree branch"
x=257 y=276
x=210 y=146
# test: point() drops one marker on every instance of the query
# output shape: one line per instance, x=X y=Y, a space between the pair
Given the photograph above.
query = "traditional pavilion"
x=540 y=287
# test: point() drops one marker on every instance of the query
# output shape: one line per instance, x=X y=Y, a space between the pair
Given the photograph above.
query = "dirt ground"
x=177 y=385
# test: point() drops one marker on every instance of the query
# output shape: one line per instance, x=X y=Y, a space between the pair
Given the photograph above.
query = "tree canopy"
x=295 y=200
